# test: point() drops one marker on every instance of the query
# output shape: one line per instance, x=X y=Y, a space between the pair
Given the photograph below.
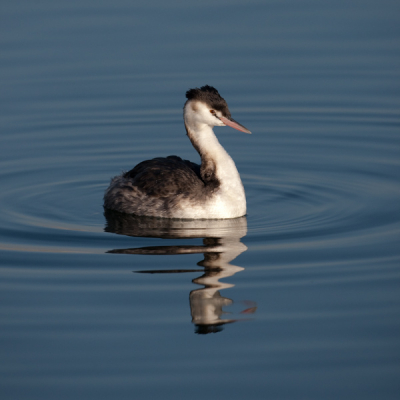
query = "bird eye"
x=212 y=112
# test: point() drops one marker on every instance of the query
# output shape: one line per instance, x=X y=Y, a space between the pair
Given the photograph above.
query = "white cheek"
x=218 y=121
x=214 y=121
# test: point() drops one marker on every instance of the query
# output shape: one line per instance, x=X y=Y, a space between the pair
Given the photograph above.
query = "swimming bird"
x=174 y=188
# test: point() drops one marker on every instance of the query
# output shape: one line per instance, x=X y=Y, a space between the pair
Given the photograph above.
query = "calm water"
x=298 y=300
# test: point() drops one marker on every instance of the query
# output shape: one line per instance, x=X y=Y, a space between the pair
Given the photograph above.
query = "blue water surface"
x=299 y=299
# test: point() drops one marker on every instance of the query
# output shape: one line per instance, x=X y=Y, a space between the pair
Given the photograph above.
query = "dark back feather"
x=164 y=177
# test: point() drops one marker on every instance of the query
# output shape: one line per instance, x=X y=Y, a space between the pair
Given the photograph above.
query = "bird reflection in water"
x=221 y=245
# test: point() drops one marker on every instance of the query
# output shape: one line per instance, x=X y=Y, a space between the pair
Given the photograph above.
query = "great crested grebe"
x=174 y=188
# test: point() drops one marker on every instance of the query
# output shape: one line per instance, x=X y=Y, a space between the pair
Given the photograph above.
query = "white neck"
x=228 y=197
x=210 y=150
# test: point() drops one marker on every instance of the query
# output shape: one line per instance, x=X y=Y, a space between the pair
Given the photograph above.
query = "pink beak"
x=233 y=124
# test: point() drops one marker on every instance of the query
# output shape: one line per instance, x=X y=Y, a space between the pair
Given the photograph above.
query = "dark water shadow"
x=221 y=245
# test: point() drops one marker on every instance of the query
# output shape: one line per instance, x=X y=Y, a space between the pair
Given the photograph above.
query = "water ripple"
x=311 y=184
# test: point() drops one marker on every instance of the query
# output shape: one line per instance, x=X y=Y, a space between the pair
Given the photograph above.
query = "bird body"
x=174 y=188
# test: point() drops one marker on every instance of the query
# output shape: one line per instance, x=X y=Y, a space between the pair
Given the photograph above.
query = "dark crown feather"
x=210 y=96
